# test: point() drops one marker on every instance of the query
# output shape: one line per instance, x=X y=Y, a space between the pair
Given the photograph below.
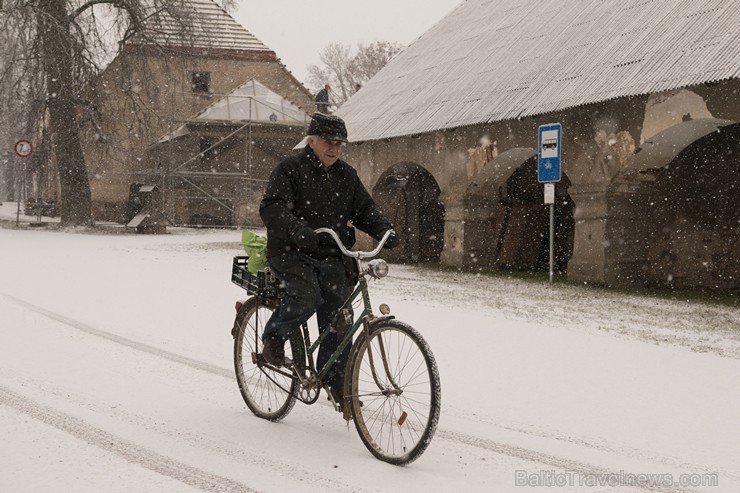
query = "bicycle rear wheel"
x=262 y=387
x=395 y=392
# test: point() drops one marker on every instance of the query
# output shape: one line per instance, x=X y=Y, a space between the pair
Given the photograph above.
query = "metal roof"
x=491 y=60
x=212 y=27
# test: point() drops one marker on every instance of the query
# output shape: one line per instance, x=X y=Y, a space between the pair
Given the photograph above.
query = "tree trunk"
x=58 y=63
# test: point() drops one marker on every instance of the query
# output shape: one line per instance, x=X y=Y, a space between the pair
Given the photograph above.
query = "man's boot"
x=273 y=351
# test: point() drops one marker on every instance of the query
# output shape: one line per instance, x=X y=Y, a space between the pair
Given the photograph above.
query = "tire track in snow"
x=203 y=442
x=582 y=468
x=470 y=440
x=129 y=451
x=285 y=469
x=634 y=453
x=193 y=363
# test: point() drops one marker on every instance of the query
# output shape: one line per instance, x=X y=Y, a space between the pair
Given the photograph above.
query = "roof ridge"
x=210 y=25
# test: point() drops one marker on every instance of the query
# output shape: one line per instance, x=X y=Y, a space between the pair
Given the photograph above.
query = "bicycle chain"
x=311 y=393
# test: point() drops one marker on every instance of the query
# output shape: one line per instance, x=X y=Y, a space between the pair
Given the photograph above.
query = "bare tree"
x=347 y=72
x=17 y=89
x=370 y=59
x=54 y=68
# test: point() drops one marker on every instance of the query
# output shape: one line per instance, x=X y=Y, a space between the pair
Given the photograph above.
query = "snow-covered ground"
x=116 y=375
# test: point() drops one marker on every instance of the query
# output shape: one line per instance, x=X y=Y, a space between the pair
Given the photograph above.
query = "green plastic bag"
x=256 y=248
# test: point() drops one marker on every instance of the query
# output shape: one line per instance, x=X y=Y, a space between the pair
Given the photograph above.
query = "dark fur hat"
x=328 y=127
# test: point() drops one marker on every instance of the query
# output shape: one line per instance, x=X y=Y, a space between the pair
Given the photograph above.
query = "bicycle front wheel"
x=268 y=392
x=395 y=394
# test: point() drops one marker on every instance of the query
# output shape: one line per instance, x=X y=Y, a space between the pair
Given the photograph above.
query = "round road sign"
x=23 y=148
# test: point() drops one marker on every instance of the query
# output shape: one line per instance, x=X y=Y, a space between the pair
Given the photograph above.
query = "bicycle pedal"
x=334 y=398
x=336 y=405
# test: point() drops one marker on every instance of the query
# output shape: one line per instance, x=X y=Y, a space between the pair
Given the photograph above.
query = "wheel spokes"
x=397 y=399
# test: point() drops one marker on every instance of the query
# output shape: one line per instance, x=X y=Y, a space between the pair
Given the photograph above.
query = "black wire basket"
x=262 y=284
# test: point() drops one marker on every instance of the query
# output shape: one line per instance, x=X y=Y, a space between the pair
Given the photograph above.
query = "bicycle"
x=391 y=390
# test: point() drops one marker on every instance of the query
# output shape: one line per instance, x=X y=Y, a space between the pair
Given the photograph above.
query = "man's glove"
x=392 y=241
x=305 y=239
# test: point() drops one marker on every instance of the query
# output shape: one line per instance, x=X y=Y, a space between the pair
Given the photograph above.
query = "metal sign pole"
x=549 y=143
x=18 y=188
x=21 y=194
x=23 y=149
x=552 y=237
x=550 y=199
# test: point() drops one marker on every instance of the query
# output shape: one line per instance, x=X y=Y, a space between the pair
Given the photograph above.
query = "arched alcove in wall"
x=674 y=216
x=409 y=196
x=506 y=220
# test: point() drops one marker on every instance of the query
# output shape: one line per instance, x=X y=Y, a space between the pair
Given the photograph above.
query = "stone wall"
x=611 y=244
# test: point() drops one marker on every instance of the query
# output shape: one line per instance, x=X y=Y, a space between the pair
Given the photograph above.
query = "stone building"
x=224 y=155
x=647 y=95
x=161 y=81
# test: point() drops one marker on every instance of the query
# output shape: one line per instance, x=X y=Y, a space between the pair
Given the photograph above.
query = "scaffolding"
x=263 y=121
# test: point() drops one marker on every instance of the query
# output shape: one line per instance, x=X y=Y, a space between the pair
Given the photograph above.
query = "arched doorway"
x=507 y=222
x=409 y=196
x=679 y=221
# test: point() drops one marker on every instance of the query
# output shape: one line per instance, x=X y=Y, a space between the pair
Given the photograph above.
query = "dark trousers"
x=311 y=286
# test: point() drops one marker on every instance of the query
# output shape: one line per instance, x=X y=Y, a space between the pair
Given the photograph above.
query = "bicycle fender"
x=346 y=411
x=246 y=305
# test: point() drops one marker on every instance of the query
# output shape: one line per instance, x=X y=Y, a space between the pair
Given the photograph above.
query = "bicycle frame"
x=360 y=290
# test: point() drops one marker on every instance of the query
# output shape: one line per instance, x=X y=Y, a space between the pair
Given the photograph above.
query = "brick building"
x=160 y=82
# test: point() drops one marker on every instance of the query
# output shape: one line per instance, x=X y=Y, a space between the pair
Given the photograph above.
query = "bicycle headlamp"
x=377 y=268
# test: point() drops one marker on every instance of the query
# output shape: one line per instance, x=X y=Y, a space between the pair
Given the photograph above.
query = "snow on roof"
x=492 y=60
x=250 y=102
x=212 y=27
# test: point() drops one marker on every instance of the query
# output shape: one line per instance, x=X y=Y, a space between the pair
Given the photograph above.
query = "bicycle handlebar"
x=359 y=255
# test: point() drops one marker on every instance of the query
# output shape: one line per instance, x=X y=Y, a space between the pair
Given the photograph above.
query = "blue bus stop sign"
x=548 y=153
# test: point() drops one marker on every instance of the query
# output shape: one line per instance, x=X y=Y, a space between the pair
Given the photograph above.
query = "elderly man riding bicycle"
x=315 y=189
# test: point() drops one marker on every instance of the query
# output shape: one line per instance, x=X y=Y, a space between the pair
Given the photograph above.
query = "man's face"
x=328 y=151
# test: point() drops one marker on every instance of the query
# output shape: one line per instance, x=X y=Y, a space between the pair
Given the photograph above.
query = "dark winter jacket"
x=322 y=100
x=302 y=192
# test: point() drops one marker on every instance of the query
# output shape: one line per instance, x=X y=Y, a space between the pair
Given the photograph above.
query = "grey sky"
x=298 y=30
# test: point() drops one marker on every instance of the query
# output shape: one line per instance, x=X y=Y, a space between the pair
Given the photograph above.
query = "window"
x=205 y=148
x=201 y=82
